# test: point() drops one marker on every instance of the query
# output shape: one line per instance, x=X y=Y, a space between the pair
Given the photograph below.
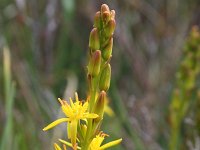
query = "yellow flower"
x=97 y=141
x=74 y=112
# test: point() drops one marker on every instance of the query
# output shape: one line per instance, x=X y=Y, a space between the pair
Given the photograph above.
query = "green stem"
x=93 y=90
x=94 y=87
x=174 y=139
x=93 y=93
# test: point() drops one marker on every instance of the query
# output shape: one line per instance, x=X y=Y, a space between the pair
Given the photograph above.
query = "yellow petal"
x=55 y=123
x=67 y=110
x=91 y=115
x=66 y=107
x=71 y=102
x=57 y=147
x=76 y=96
x=96 y=142
x=109 y=111
x=73 y=130
x=85 y=107
x=60 y=101
x=113 y=143
x=68 y=131
x=67 y=143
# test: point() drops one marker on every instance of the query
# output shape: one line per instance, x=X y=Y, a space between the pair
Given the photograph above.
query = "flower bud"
x=107 y=51
x=104 y=82
x=94 y=63
x=99 y=106
x=109 y=29
x=106 y=17
x=94 y=42
x=112 y=14
x=83 y=129
x=97 y=20
x=104 y=8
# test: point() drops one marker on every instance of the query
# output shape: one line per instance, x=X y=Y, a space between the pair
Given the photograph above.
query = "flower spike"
x=84 y=117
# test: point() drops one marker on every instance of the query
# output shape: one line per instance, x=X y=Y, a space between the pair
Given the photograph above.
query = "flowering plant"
x=84 y=118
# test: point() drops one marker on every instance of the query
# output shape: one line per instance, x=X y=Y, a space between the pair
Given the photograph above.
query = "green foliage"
x=185 y=93
x=7 y=139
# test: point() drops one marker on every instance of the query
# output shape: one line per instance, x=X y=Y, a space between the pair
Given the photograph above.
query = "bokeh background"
x=48 y=44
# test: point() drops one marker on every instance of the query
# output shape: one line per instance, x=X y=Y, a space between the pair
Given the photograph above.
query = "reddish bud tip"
x=104 y=8
x=106 y=17
x=112 y=14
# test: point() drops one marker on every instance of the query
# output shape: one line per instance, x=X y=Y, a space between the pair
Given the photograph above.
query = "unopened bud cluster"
x=99 y=69
x=100 y=46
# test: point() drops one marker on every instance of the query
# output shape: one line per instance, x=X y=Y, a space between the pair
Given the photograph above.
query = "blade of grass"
x=9 y=89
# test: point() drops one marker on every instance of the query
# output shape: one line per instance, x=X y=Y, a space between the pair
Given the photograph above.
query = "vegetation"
x=154 y=91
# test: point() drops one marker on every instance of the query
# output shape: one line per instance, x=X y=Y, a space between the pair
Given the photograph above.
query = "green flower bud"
x=104 y=82
x=97 y=20
x=110 y=28
x=104 y=8
x=83 y=129
x=107 y=50
x=94 y=42
x=94 y=63
x=99 y=106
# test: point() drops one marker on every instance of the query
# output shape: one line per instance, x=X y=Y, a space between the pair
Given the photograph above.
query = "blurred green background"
x=48 y=44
